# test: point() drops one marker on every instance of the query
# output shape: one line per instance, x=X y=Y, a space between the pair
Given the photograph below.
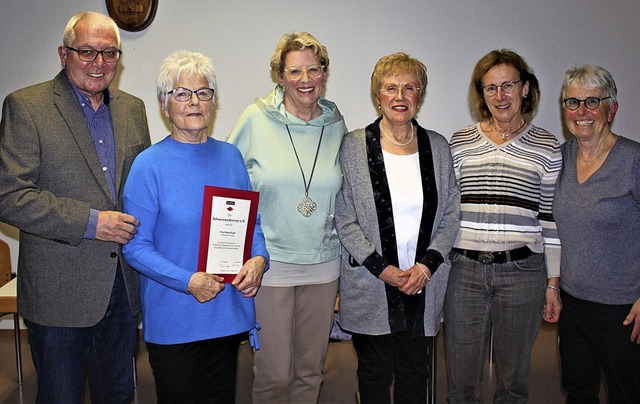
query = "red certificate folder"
x=226 y=233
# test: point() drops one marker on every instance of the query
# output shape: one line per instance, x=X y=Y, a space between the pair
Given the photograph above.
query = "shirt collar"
x=83 y=99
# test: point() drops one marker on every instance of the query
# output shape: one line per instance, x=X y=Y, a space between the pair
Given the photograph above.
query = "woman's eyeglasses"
x=296 y=73
x=184 y=94
x=590 y=103
x=507 y=87
x=407 y=89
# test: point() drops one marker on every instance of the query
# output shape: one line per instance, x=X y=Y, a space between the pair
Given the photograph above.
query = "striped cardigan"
x=507 y=192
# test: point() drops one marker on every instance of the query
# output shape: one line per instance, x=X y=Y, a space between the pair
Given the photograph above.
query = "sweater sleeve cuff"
x=432 y=259
x=375 y=263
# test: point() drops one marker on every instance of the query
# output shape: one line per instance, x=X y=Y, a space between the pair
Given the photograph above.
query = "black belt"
x=495 y=257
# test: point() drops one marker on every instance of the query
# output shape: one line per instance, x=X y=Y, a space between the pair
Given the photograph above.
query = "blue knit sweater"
x=164 y=191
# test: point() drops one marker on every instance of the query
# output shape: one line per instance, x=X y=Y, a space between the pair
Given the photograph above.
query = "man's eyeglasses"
x=296 y=73
x=109 y=55
x=589 y=102
x=507 y=87
x=184 y=94
x=407 y=89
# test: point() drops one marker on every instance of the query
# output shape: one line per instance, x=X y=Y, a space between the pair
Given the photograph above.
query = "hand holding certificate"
x=249 y=279
x=228 y=221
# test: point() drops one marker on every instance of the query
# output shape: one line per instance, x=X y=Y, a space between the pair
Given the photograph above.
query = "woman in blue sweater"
x=193 y=322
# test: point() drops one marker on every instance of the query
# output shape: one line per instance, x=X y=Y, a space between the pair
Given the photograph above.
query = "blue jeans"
x=593 y=340
x=510 y=299
x=62 y=356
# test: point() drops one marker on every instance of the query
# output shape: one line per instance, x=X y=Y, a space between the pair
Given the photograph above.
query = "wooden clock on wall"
x=132 y=15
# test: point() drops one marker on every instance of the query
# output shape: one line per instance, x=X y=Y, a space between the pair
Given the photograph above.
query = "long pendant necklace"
x=393 y=142
x=505 y=136
x=307 y=206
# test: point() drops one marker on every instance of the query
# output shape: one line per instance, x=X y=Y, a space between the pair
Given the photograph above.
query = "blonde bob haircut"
x=399 y=63
x=184 y=63
x=297 y=41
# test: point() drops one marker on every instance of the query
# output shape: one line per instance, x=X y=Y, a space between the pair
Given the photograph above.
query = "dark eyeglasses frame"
x=566 y=102
x=118 y=53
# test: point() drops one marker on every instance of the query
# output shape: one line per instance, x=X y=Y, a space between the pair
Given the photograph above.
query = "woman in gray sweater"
x=597 y=211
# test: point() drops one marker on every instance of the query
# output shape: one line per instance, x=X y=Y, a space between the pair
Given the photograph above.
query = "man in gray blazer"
x=66 y=147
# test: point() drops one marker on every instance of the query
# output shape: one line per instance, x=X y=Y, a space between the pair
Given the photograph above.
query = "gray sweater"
x=599 y=226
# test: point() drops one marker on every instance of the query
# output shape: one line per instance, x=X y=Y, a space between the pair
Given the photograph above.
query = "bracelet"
x=423 y=271
x=557 y=289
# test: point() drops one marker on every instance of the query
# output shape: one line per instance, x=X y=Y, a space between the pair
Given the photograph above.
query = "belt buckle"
x=486 y=257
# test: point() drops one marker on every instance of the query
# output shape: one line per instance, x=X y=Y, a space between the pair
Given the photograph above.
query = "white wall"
x=449 y=36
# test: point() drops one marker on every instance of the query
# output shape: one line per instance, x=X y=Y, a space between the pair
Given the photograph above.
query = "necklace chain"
x=307 y=206
x=393 y=142
x=505 y=136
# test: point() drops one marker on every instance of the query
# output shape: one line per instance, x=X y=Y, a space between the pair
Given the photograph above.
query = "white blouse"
x=405 y=186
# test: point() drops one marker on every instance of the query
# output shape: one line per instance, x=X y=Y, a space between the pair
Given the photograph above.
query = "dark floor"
x=340 y=373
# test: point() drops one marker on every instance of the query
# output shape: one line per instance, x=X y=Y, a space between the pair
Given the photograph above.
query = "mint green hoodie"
x=261 y=135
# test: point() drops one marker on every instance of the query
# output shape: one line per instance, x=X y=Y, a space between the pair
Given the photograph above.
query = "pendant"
x=307 y=206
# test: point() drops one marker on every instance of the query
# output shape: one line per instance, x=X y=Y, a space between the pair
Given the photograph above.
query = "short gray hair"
x=184 y=63
x=98 y=19
x=591 y=77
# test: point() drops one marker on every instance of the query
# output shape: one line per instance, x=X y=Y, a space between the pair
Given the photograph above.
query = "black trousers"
x=196 y=372
x=593 y=339
x=381 y=357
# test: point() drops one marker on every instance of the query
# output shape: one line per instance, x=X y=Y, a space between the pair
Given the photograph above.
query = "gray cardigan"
x=363 y=308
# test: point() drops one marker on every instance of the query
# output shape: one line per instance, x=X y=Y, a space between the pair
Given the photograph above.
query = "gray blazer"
x=363 y=304
x=50 y=176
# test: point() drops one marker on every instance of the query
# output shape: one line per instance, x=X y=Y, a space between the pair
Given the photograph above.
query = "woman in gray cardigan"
x=397 y=216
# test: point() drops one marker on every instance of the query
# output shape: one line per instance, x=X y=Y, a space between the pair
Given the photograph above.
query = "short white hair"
x=98 y=19
x=184 y=63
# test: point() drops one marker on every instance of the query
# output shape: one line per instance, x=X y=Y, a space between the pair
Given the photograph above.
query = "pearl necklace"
x=505 y=136
x=393 y=142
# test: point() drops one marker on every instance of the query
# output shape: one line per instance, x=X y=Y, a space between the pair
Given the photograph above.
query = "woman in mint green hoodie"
x=290 y=141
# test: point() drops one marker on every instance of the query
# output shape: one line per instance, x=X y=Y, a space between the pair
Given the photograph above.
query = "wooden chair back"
x=5 y=263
